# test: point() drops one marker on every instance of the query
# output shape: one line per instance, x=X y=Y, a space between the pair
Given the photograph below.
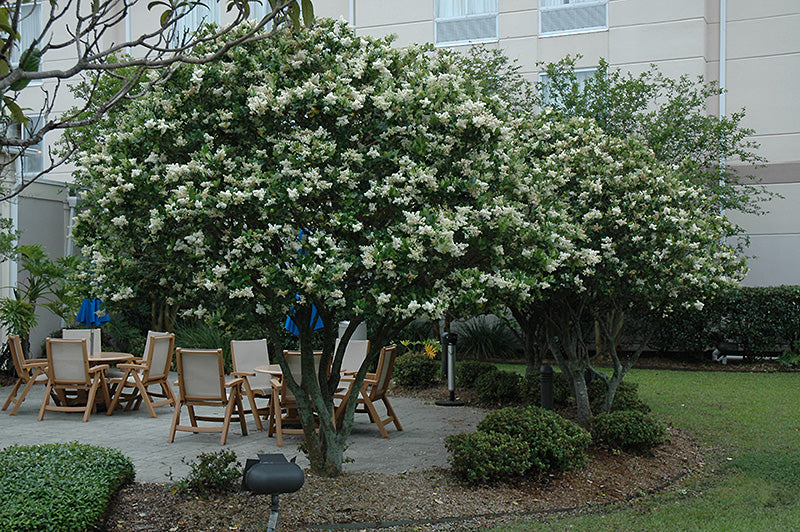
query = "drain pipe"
x=352 y=13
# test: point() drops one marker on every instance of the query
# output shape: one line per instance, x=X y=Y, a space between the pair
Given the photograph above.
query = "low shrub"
x=532 y=389
x=468 y=371
x=59 y=486
x=415 y=370
x=628 y=430
x=498 y=388
x=211 y=473
x=485 y=457
x=556 y=443
x=625 y=398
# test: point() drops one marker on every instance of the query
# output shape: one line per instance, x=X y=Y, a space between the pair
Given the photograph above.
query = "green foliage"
x=209 y=473
x=44 y=283
x=202 y=335
x=761 y=320
x=670 y=115
x=58 y=486
x=486 y=457
x=485 y=338
x=625 y=398
x=415 y=370
x=628 y=430
x=498 y=74
x=468 y=371
x=497 y=388
x=556 y=443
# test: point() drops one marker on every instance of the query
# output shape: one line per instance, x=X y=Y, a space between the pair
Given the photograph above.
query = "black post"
x=546 y=374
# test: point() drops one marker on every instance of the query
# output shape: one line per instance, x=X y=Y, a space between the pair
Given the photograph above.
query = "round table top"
x=271 y=369
x=110 y=357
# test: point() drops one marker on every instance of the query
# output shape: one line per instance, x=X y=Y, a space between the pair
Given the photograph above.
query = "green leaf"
x=308 y=13
x=294 y=15
x=165 y=16
x=15 y=110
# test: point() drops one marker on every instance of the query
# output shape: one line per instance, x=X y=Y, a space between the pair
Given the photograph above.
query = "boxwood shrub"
x=556 y=443
x=497 y=388
x=628 y=430
x=58 y=486
x=416 y=370
x=468 y=371
x=625 y=398
x=485 y=457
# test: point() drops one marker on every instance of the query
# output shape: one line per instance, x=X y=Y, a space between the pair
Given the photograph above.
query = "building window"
x=29 y=28
x=464 y=21
x=259 y=10
x=568 y=16
x=32 y=160
x=198 y=14
x=549 y=99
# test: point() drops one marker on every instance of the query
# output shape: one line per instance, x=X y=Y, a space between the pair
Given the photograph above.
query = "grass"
x=749 y=424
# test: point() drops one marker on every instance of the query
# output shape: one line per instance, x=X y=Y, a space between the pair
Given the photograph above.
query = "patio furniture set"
x=78 y=379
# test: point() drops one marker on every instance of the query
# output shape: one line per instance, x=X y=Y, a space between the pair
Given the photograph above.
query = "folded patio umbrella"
x=92 y=315
x=316 y=322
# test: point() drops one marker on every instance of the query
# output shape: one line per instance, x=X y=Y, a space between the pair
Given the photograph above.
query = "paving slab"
x=143 y=439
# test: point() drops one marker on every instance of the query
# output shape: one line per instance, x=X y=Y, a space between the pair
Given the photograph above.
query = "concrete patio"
x=144 y=439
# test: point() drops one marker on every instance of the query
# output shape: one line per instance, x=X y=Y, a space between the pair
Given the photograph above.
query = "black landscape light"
x=449 y=350
x=272 y=474
x=546 y=375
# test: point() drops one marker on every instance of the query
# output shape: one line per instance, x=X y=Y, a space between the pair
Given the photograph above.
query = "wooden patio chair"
x=284 y=418
x=138 y=377
x=93 y=342
x=201 y=382
x=354 y=355
x=372 y=390
x=246 y=355
x=68 y=372
x=29 y=372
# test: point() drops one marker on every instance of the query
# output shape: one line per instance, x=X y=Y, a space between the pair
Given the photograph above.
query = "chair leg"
x=373 y=413
x=240 y=408
x=145 y=397
x=118 y=393
x=226 y=423
x=276 y=419
x=176 y=418
x=391 y=412
x=22 y=395
x=253 y=408
x=13 y=394
x=45 y=400
x=90 y=400
x=192 y=418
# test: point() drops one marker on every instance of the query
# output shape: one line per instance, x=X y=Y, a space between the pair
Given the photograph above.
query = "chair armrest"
x=234 y=382
x=244 y=373
x=34 y=363
x=99 y=367
x=131 y=366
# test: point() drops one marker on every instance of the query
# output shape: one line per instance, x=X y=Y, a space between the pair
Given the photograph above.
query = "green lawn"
x=749 y=424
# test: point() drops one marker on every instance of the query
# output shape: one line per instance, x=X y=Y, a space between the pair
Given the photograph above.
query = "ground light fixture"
x=272 y=474
x=449 y=341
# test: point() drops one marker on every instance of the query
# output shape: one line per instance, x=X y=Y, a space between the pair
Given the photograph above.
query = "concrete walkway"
x=144 y=439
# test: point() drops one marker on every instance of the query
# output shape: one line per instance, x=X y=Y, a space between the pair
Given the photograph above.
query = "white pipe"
x=14 y=262
x=72 y=201
x=352 y=13
x=723 y=55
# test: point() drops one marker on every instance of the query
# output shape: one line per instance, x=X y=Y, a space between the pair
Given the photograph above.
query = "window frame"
x=35 y=15
x=568 y=6
x=436 y=21
x=21 y=155
x=182 y=26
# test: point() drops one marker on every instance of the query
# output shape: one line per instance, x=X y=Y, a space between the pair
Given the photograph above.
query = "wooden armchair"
x=201 y=382
x=68 y=371
x=29 y=372
x=355 y=353
x=246 y=355
x=372 y=390
x=153 y=370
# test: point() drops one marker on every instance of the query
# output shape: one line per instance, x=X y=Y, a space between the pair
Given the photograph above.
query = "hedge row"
x=759 y=320
x=57 y=486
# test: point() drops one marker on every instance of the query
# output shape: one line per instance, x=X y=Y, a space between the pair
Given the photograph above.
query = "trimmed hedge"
x=556 y=443
x=497 y=388
x=58 y=486
x=760 y=320
x=485 y=457
x=468 y=371
x=415 y=370
x=628 y=430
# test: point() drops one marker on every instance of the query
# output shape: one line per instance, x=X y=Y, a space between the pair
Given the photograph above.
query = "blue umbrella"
x=92 y=315
x=316 y=322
